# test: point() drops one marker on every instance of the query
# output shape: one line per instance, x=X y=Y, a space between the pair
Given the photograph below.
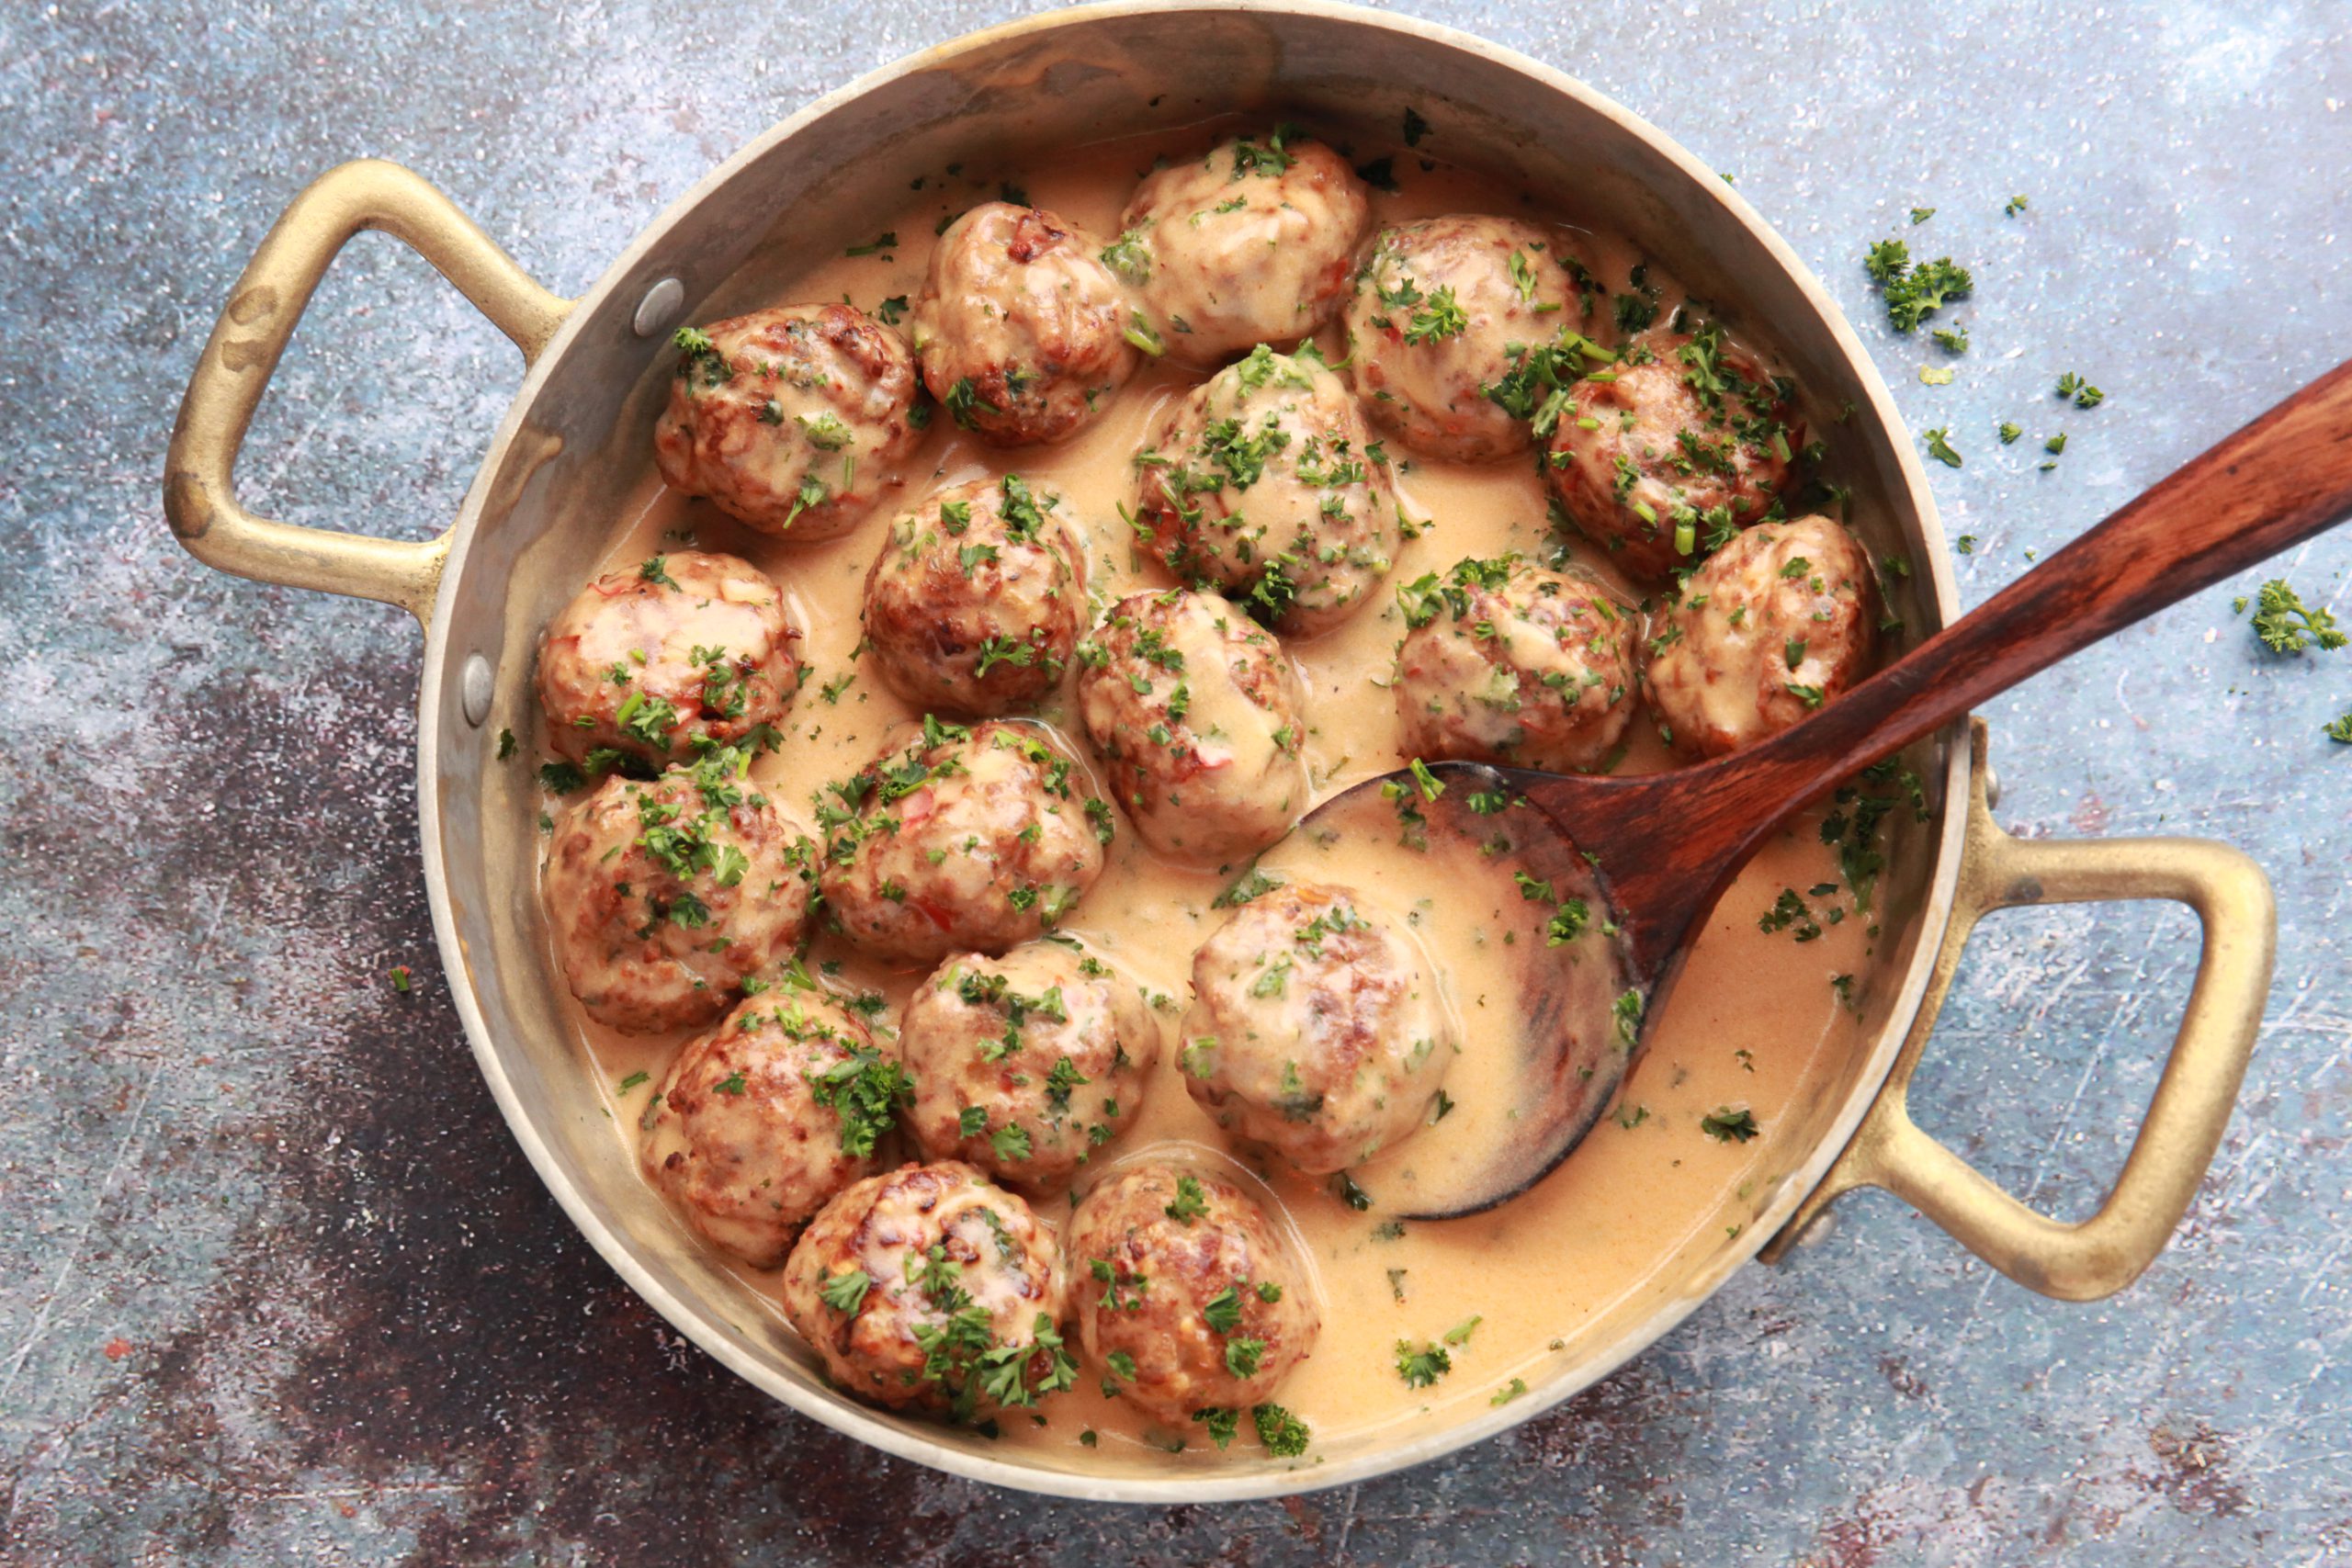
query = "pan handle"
x=200 y=488
x=2192 y=1102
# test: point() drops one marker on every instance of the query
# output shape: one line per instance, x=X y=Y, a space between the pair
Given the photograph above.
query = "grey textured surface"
x=275 y=1288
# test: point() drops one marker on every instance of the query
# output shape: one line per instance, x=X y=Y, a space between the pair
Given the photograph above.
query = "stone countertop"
x=275 y=1286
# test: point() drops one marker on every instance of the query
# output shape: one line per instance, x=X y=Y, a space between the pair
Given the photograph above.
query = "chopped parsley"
x=1729 y=1125
x=865 y=1089
x=1191 y=1202
x=846 y=1292
x=2286 y=624
x=1914 y=292
x=1284 y=1435
x=1422 y=1367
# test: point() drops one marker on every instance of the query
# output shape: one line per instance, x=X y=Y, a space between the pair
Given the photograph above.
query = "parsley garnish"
x=1423 y=1367
x=865 y=1089
x=1730 y=1127
x=846 y=1292
x=1191 y=1202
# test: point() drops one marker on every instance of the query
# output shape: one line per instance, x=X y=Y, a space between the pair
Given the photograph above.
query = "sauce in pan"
x=1753 y=1014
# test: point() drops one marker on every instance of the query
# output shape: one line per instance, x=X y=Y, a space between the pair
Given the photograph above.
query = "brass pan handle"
x=2107 y=1251
x=199 y=487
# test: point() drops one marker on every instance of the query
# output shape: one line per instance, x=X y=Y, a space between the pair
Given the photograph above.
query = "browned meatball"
x=1508 y=663
x=1682 y=440
x=1442 y=312
x=1316 y=1029
x=1194 y=710
x=761 y=1121
x=1186 y=1296
x=955 y=839
x=976 y=600
x=662 y=660
x=928 y=1286
x=1264 y=482
x=1776 y=623
x=1026 y=1064
x=665 y=898
x=1251 y=243
x=794 y=420
x=1023 y=332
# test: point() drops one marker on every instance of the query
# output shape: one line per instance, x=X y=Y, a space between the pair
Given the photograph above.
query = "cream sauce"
x=1752 y=1016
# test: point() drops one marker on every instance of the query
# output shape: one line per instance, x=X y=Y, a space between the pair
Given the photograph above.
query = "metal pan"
x=578 y=433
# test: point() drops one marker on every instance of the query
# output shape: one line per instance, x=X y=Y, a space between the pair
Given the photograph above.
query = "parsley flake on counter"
x=2086 y=396
x=2286 y=624
x=2016 y=205
x=2010 y=432
x=2341 y=731
x=1914 y=291
x=1939 y=447
x=1965 y=543
x=1936 y=375
x=1920 y=215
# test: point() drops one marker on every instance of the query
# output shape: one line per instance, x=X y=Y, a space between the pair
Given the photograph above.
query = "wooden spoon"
x=1666 y=845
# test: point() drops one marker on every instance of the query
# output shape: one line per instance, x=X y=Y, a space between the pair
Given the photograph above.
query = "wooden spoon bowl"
x=2278 y=482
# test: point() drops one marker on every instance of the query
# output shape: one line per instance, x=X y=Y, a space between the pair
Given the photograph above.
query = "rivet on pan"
x=660 y=307
x=1992 y=787
x=473 y=689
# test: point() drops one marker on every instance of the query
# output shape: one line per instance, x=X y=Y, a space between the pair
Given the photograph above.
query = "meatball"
x=1444 y=311
x=761 y=1121
x=976 y=601
x=1315 y=1029
x=1686 y=440
x=1264 y=482
x=928 y=1286
x=793 y=420
x=1024 y=331
x=1194 y=711
x=1026 y=1064
x=1185 y=1293
x=1251 y=243
x=1508 y=663
x=661 y=661
x=665 y=898
x=957 y=839
x=1776 y=623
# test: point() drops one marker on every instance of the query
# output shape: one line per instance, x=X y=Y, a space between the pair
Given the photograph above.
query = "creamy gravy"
x=1752 y=1018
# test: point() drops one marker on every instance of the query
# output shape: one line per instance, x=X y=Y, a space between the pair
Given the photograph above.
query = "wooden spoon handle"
x=2277 y=482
